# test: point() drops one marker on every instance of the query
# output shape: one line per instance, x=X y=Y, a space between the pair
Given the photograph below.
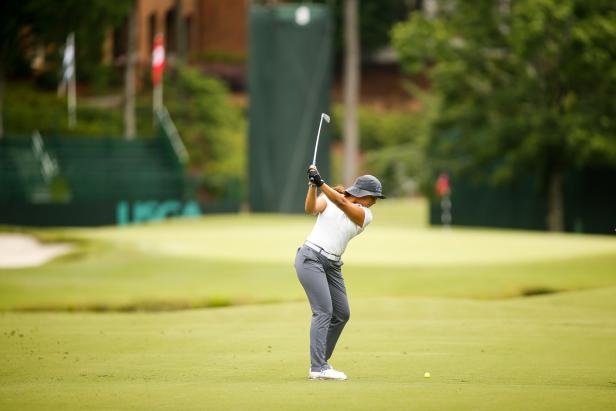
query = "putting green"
x=553 y=352
x=273 y=239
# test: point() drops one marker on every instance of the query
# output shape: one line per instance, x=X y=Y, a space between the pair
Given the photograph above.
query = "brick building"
x=214 y=34
x=191 y=28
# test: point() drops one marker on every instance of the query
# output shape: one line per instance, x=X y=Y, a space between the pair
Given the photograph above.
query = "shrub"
x=212 y=128
x=393 y=143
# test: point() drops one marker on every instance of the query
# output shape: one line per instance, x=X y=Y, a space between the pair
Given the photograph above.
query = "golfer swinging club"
x=342 y=214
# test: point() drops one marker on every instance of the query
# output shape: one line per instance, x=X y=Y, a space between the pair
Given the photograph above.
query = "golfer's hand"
x=313 y=176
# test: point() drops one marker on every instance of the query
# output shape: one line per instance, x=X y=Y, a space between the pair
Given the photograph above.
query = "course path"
x=19 y=250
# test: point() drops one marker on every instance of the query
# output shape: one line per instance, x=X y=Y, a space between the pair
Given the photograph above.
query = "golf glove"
x=314 y=177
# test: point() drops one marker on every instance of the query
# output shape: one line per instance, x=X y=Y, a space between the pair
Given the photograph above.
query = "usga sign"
x=158 y=59
x=142 y=211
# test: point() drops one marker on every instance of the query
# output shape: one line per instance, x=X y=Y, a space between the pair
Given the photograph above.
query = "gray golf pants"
x=322 y=280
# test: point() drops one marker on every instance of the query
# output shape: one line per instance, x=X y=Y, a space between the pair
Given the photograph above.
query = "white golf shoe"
x=329 y=374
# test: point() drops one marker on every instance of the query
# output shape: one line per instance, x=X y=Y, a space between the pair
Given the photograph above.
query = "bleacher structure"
x=76 y=181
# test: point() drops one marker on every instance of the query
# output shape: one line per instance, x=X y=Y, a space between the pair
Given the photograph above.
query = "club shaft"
x=314 y=158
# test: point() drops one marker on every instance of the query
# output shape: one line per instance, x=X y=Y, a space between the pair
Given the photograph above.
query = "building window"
x=170 y=31
x=152 y=30
x=188 y=33
x=119 y=41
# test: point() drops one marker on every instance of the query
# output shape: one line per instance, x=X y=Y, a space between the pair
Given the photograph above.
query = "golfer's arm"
x=355 y=214
x=313 y=205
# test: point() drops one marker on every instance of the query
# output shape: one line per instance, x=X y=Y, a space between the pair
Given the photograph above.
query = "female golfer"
x=342 y=214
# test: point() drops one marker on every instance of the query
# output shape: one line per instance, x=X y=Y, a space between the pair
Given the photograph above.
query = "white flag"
x=69 y=79
x=68 y=62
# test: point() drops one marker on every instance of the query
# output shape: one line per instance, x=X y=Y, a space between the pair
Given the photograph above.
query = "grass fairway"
x=450 y=303
x=554 y=352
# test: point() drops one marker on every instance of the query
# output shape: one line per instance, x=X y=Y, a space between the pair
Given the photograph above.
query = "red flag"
x=158 y=59
x=442 y=185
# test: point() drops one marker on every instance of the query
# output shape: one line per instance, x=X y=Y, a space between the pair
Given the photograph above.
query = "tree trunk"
x=429 y=8
x=555 y=214
x=351 y=90
x=129 y=77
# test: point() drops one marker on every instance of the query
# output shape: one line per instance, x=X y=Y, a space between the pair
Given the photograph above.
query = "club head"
x=325 y=116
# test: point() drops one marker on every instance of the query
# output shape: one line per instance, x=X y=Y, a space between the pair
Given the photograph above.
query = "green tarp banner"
x=289 y=81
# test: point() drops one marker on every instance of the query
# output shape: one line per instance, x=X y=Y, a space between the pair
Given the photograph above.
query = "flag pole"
x=72 y=102
x=158 y=67
x=158 y=97
x=72 y=87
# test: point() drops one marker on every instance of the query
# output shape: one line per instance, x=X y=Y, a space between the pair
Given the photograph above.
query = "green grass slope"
x=226 y=260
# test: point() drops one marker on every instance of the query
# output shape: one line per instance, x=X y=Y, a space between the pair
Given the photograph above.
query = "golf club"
x=314 y=158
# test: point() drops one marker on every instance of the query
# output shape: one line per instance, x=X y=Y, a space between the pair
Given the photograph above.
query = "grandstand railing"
x=172 y=135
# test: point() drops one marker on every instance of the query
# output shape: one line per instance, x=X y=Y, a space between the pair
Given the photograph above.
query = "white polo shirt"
x=334 y=229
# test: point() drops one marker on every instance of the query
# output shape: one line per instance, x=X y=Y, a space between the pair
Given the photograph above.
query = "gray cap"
x=366 y=185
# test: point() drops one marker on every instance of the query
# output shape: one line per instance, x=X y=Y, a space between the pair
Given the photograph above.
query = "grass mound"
x=213 y=261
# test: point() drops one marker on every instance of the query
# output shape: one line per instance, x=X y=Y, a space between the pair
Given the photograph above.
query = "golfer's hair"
x=340 y=189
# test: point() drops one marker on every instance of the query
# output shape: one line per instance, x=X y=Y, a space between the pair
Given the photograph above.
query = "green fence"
x=85 y=181
x=289 y=82
x=589 y=203
x=89 y=169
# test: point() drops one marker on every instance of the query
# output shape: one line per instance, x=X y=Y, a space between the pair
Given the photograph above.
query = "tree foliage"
x=524 y=86
x=27 y=24
x=212 y=128
x=392 y=143
x=376 y=18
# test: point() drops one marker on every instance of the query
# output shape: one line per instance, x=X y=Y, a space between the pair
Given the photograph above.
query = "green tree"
x=524 y=86
x=375 y=19
x=49 y=22
x=212 y=128
x=25 y=24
